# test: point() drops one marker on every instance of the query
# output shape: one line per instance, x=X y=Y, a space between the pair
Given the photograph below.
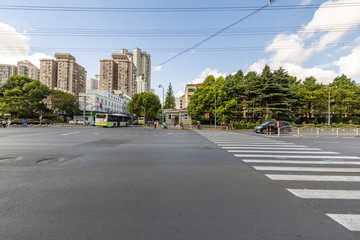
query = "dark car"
x=285 y=127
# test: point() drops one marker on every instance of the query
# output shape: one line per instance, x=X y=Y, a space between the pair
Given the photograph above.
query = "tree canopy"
x=144 y=104
x=273 y=94
x=64 y=102
x=22 y=96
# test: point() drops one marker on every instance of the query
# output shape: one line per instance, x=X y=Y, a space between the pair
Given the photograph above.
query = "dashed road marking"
x=70 y=133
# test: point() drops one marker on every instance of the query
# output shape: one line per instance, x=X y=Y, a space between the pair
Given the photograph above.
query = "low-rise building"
x=174 y=117
x=189 y=90
x=104 y=101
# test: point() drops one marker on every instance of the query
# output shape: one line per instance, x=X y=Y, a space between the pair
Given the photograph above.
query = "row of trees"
x=274 y=95
x=24 y=97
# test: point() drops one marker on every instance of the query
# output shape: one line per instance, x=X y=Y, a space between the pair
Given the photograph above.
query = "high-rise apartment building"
x=63 y=74
x=146 y=70
x=125 y=74
x=107 y=77
x=118 y=73
x=6 y=71
x=48 y=72
x=142 y=62
x=126 y=71
x=28 y=69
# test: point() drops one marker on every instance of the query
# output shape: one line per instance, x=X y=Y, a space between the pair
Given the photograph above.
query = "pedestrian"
x=9 y=123
x=155 y=124
x=3 y=123
x=23 y=122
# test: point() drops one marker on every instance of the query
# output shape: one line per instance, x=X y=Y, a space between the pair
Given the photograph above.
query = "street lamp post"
x=329 y=107
x=163 y=103
x=215 y=105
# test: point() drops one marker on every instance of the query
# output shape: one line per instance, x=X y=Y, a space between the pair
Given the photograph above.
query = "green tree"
x=22 y=96
x=170 y=98
x=203 y=100
x=311 y=98
x=147 y=105
x=345 y=97
x=65 y=102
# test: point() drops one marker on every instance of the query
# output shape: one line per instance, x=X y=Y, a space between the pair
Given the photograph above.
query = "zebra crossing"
x=289 y=162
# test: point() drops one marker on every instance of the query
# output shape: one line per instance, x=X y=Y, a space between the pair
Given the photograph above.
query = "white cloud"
x=156 y=69
x=327 y=27
x=206 y=73
x=14 y=47
x=305 y=2
x=179 y=93
x=350 y=64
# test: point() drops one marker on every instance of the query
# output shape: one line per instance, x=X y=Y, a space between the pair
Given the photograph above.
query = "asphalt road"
x=137 y=183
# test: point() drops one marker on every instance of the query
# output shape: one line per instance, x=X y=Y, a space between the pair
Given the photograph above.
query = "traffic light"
x=134 y=105
x=100 y=105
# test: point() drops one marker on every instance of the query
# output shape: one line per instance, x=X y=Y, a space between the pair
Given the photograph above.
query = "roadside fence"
x=309 y=131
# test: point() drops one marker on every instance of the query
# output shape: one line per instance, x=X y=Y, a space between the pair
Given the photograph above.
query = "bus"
x=141 y=120
x=112 y=120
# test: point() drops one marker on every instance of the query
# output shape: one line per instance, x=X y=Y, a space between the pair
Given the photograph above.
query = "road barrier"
x=309 y=131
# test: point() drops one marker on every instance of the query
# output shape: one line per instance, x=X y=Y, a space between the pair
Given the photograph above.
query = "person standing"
x=9 y=123
x=3 y=123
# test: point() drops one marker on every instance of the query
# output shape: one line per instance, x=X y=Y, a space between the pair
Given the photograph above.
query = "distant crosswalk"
x=289 y=162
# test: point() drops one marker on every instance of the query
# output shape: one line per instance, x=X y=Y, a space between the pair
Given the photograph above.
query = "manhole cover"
x=7 y=159
x=47 y=161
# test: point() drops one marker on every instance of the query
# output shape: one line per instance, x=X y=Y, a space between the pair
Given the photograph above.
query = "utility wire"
x=48 y=32
x=213 y=35
x=169 y=9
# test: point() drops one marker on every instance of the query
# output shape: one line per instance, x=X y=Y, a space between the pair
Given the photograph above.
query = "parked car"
x=285 y=127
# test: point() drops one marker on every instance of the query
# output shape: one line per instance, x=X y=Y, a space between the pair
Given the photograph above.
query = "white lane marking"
x=257 y=142
x=292 y=156
x=326 y=194
x=306 y=169
x=261 y=151
x=318 y=178
x=261 y=145
x=70 y=133
x=349 y=221
x=302 y=162
x=273 y=148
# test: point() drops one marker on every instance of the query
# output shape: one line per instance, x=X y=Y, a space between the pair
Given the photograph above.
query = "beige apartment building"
x=189 y=90
x=6 y=71
x=28 y=69
x=118 y=73
x=63 y=74
x=48 y=72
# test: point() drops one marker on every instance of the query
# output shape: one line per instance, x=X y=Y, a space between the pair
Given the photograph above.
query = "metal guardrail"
x=325 y=132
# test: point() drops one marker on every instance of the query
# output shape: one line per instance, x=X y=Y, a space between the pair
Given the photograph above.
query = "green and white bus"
x=112 y=120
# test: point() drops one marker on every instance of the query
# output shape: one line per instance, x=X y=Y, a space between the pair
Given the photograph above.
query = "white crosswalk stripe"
x=326 y=194
x=350 y=221
x=282 y=156
x=324 y=162
x=295 y=156
x=321 y=178
x=264 y=151
x=272 y=148
x=306 y=169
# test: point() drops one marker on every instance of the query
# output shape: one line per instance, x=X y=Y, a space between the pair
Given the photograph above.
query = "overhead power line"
x=213 y=35
x=89 y=32
x=170 y=9
x=177 y=50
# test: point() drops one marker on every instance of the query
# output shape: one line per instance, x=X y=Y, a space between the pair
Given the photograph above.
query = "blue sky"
x=320 y=38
